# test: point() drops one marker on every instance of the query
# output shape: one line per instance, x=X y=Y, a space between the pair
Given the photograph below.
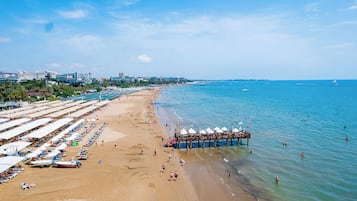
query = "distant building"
x=46 y=75
x=11 y=77
x=25 y=76
x=71 y=78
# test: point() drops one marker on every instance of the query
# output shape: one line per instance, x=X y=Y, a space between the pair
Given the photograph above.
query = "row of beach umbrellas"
x=208 y=131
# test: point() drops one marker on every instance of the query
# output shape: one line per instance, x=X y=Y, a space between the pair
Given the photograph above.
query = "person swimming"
x=302 y=155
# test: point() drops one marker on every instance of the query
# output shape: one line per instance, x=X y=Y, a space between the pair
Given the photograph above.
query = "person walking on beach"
x=176 y=175
x=169 y=158
x=155 y=152
x=171 y=176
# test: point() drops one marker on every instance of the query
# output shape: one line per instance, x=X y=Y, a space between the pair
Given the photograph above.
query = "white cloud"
x=144 y=58
x=339 y=46
x=312 y=7
x=353 y=6
x=81 y=42
x=5 y=39
x=53 y=65
x=73 y=14
x=129 y=2
x=77 y=65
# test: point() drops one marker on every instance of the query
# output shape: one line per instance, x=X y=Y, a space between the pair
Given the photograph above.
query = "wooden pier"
x=197 y=140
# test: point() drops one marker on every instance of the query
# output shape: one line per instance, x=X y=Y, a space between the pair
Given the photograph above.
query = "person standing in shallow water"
x=277 y=179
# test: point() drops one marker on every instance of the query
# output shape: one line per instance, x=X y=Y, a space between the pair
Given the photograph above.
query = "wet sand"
x=121 y=172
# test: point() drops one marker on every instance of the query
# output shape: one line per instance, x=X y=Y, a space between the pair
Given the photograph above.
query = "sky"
x=195 y=39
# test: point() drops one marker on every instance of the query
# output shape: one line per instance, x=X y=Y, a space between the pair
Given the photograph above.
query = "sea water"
x=318 y=118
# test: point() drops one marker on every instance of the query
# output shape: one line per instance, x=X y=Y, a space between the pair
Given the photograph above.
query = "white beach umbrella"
x=191 y=131
x=52 y=154
x=209 y=131
x=34 y=154
x=203 y=132
x=218 y=130
x=183 y=132
x=61 y=147
x=235 y=130
x=224 y=129
x=43 y=147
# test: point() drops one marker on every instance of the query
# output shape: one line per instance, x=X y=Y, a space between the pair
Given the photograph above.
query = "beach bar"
x=209 y=137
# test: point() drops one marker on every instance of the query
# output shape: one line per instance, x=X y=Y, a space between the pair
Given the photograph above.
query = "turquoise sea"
x=314 y=117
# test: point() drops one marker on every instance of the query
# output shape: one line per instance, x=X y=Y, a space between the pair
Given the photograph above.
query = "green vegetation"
x=38 y=89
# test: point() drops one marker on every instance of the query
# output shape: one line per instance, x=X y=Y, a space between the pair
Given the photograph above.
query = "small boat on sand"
x=68 y=164
x=41 y=163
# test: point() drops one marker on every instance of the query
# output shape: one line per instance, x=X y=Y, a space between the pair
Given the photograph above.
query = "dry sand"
x=124 y=173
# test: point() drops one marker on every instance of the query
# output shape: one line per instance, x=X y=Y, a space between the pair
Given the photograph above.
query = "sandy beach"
x=122 y=165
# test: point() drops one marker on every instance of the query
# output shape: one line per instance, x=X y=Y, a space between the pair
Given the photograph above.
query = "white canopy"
x=191 y=131
x=52 y=154
x=24 y=128
x=235 y=130
x=102 y=103
x=224 y=129
x=43 y=147
x=209 y=131
x=9 y=161
x=218 y=130
x=67 y=130
x=5 y=112
x=44 y=112
x=203 y=132
x=46 y=130
x=72 y=137
x=2 y=120
x=13 y=123
x=34 y=154
x=13 y=147
x=61 y=147
x=25 y=112
x=83 y=111
x=183 y=132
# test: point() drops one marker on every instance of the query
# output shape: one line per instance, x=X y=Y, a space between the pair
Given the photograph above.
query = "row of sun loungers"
x=82 y=154
x=10 y=174
x=96 y=135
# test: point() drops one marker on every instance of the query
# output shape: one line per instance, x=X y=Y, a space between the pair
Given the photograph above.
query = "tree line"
x=36 y=90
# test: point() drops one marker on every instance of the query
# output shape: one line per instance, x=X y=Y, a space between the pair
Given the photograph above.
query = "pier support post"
x=227 y=142
x=247 y=141
x=191 y=144
x=215 y=142
x=178 y=144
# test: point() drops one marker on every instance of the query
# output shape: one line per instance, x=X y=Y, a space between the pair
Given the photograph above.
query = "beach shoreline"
x=125 y=163
x=210 y=176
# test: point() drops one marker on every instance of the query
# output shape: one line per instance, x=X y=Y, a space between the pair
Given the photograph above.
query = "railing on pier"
x=210 y=140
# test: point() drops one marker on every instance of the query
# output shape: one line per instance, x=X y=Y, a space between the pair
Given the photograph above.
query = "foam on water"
x=314 y=117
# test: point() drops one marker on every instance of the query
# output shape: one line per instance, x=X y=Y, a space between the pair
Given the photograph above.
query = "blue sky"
x=201 y=39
